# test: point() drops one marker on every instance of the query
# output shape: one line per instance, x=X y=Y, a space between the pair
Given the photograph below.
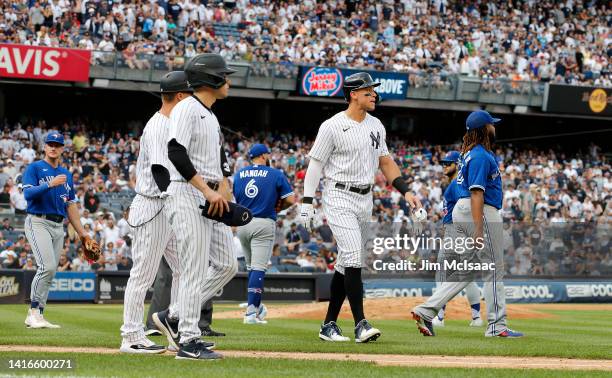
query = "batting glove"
x=307 y=213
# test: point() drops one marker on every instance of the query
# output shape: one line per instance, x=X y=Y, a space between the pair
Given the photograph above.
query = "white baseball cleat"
x=476 y=322
x=253 y=319
x=437 y=322
x=144 y=346
x=331 y=332
x=262 y=311
x=34 y=319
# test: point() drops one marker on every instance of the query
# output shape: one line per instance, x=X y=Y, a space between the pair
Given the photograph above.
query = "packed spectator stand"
x=496 y=41
x=556 y=209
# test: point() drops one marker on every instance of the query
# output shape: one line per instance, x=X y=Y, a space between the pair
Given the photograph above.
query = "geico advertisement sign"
x=73 y=284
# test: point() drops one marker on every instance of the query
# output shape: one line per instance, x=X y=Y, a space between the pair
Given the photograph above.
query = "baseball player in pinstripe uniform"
x=476 y=215
x=259 y=188
x=349 y=149
x=152 y=234
x=451 y=195
x=49 y=192
x=205 y=247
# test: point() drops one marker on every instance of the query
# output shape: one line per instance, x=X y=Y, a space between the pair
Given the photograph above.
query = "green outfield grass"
x=574 y=334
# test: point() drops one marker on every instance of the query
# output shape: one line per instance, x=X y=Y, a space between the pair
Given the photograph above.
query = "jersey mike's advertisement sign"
x=561 y=98
x=44 y=63
x=327 y=82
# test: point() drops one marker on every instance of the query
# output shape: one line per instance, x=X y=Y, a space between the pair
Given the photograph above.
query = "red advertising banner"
x=44 y=63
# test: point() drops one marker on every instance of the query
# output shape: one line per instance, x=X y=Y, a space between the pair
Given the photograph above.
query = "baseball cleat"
x=253 y=319
x=152 y=332
x=510 y=334
x=437 y=322
x=476 y=322
x=424 y=326
x=364 y=332
x=196 y=350
x=207 y=331
x=331 y=332
x=262 y=311
x=34 y=319
x=48 y=324
x=144 y=346
x=207 y=345
x=168 y=327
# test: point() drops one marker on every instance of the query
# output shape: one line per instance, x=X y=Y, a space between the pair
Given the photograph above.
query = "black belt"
x=212 y=185
x=51 y=217
x=354 y=189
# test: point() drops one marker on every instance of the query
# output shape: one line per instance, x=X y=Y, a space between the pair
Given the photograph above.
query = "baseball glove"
x=91 y=249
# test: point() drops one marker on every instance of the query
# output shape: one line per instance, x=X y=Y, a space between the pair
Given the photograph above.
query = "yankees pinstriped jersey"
x=479 y=169
x=349 y=150
x=152 y=234
x=52 y=200
x=196 y=128
x=259 y=187
x=153 y=150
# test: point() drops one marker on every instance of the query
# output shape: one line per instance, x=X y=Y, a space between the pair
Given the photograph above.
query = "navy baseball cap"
x=479 y=119
x=451 y=157
x=175 y=81
x=54 y=137
x=258 y=150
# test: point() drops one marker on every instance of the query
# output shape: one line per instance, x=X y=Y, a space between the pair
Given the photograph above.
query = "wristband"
x=400 y=185
x=307 y=200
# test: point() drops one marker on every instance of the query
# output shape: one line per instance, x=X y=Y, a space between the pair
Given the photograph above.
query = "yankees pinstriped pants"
x=472 y=292
x=257 y=240
x=206 y=254
x=348 y=215
x=153 y=238
x=47 y=240
x=493 y=288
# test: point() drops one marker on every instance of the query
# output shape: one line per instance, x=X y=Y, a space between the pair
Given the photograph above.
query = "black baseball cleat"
x=424 y=326
x=143 y=347
x=168 y=327
x=196 y=350
x=364 y=332
x=207 y=331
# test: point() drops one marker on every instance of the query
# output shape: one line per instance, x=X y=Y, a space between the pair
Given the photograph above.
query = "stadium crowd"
x=557 y=208
x=559 y=41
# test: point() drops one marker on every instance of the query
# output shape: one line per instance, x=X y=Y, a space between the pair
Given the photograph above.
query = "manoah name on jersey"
x=253 y=173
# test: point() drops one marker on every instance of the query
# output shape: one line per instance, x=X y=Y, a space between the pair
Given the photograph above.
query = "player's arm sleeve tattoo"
x=324 y=144
x=31 y=188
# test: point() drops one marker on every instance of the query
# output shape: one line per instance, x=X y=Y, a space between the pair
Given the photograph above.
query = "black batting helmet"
x=175 y=81
x=356 y=81
x=207 y=70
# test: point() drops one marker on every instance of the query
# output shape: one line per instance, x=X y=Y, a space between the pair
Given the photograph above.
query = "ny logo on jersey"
x=375 y=139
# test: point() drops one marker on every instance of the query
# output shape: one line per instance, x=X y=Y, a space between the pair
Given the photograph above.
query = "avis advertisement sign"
x=44 y=63
x=327 y=82
x=73 y=286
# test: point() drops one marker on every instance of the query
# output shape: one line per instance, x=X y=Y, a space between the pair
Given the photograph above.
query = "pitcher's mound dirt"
x=384 y=308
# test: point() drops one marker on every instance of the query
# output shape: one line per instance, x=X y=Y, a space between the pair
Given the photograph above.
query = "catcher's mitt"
x=91 y=249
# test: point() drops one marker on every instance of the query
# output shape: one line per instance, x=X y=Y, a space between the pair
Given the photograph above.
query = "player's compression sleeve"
x=311 y=181
x=177 y=154
x=33 y=192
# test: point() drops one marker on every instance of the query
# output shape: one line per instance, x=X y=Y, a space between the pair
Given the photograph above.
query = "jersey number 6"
x=251 y=189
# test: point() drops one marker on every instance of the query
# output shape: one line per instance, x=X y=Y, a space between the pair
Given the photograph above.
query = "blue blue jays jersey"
x=259 y=187
x=52 y=200
x=479 y=169
x=451 y=196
